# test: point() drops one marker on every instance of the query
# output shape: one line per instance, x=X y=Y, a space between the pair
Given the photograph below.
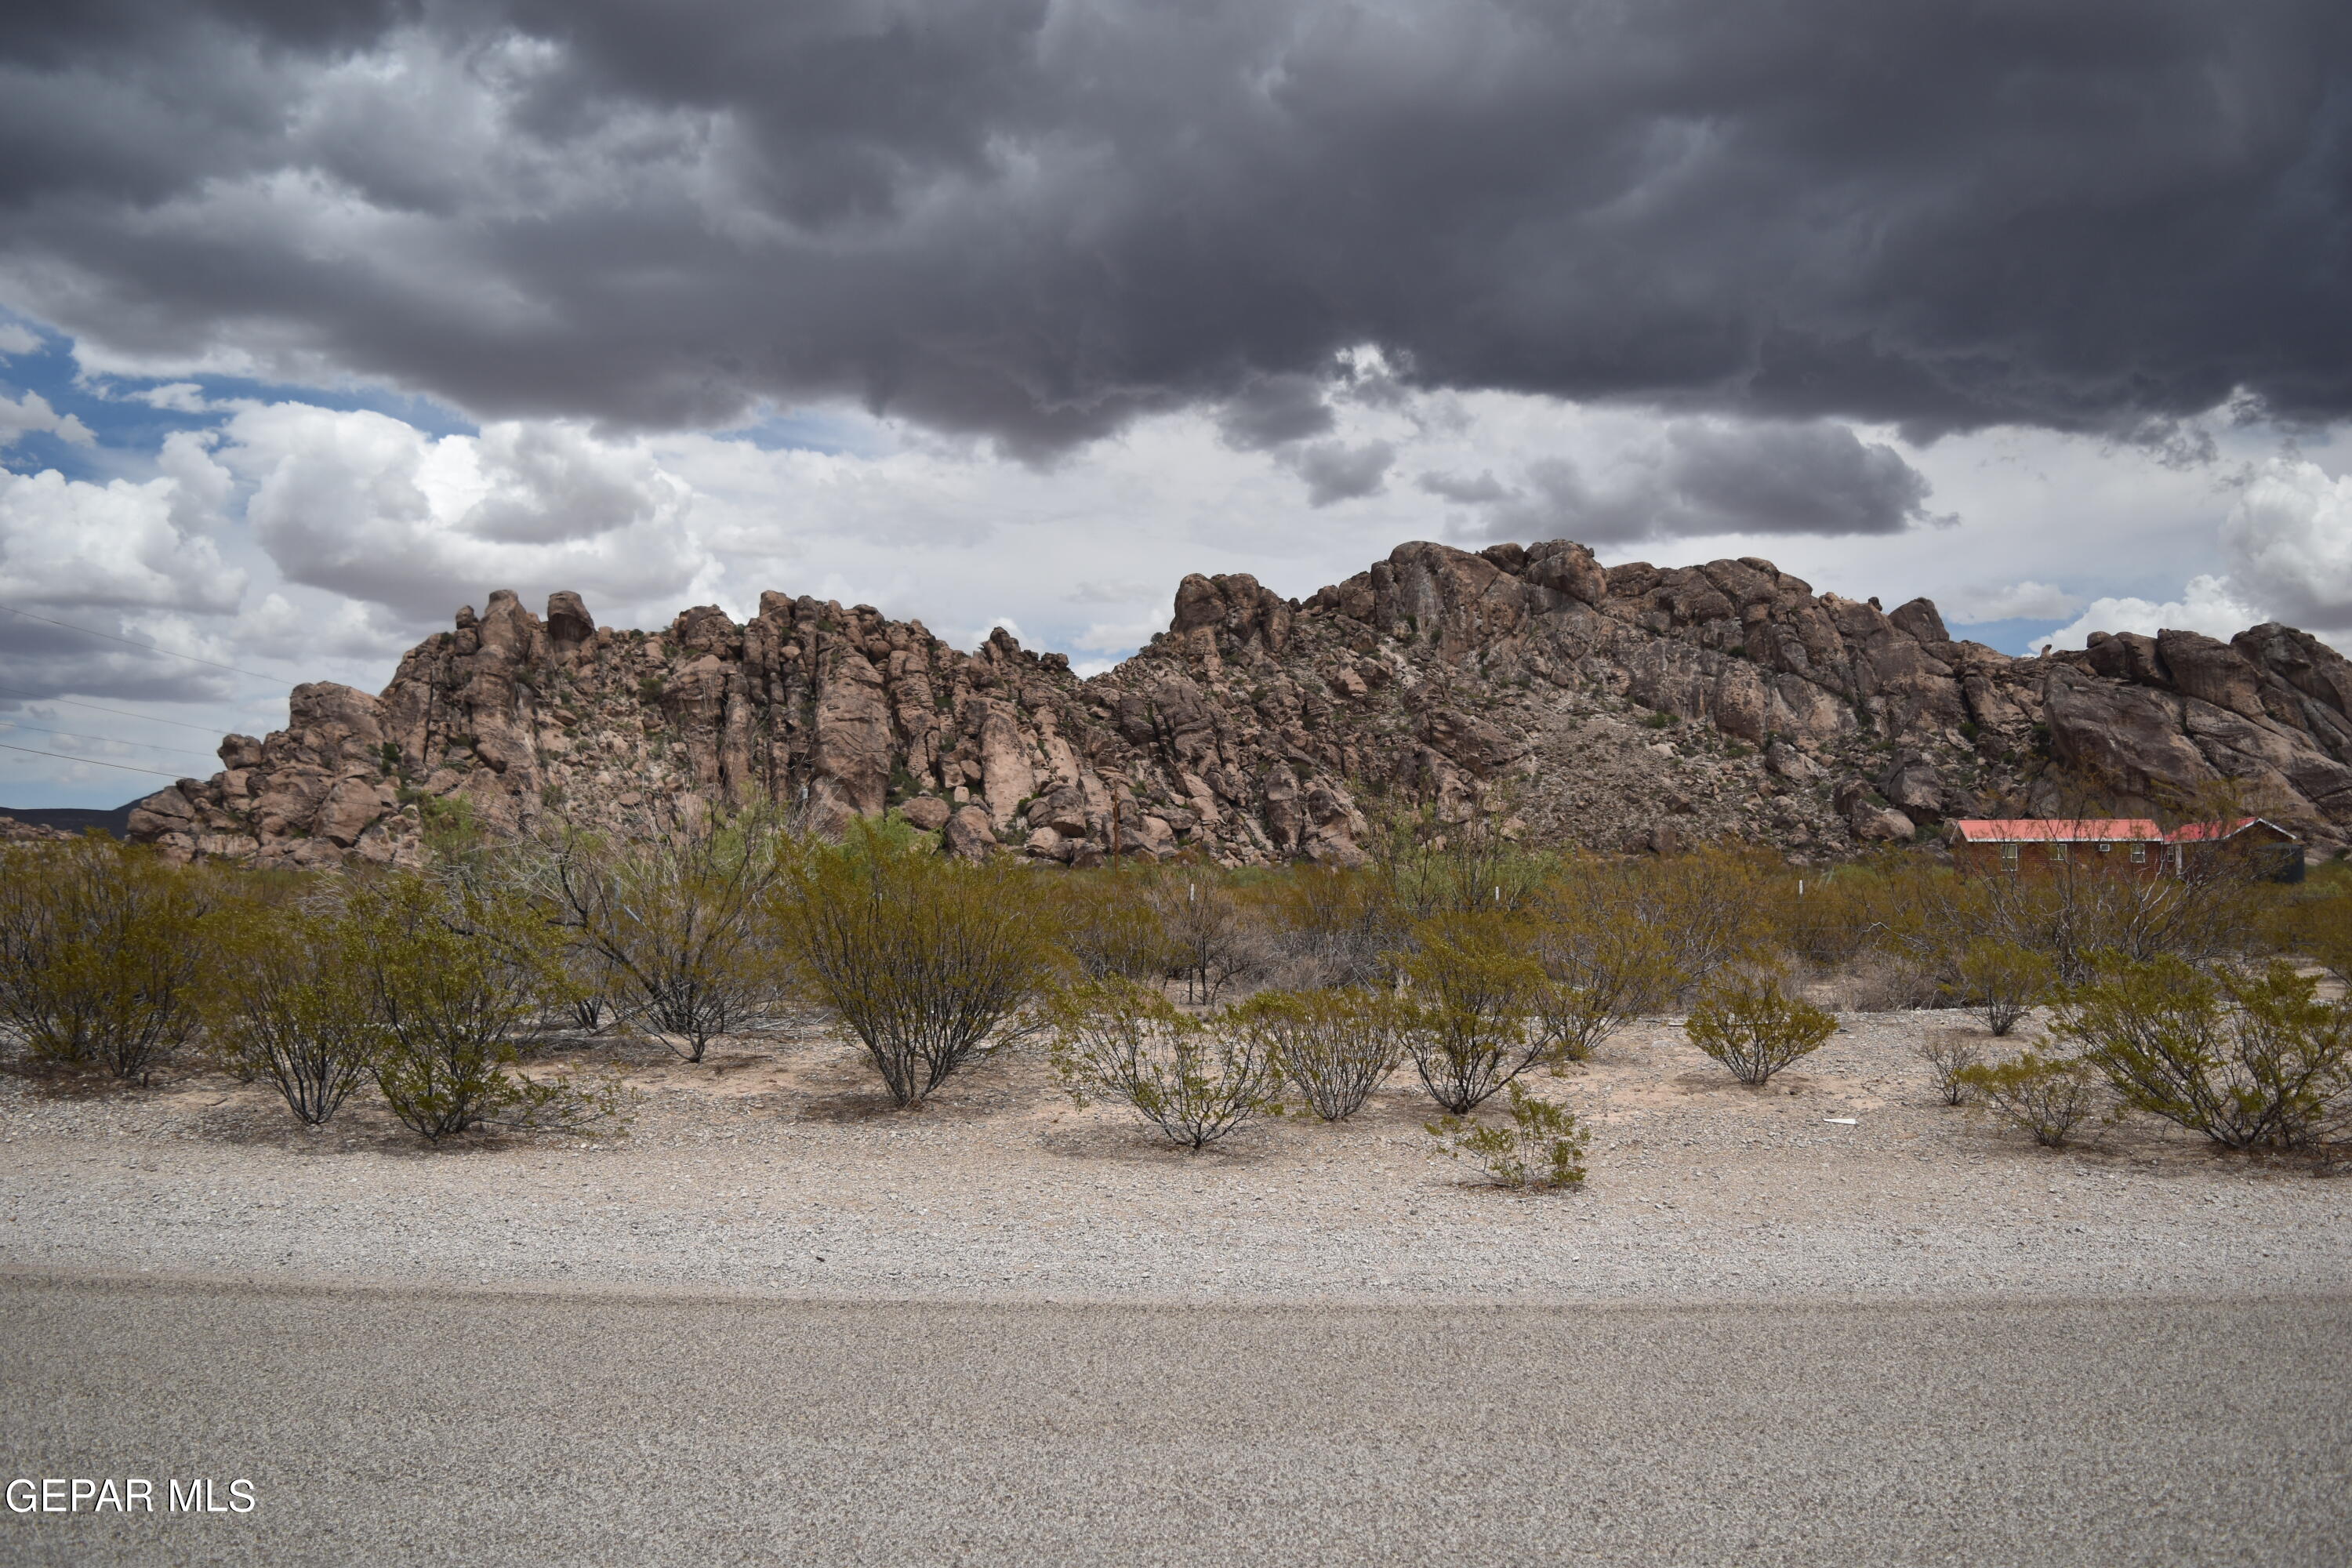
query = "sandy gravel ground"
x=775 y=1168
x=409 y=1426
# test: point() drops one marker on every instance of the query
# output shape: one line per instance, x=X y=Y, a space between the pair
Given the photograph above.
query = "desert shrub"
x=1207 y=937
x=1109 y=925
x=1475 y=1021
x=927 y=961
x=666 y=929
x=1602 y=964
x=2048 y=1096
x=1948 y=1053
x=2003 y=981
x=2315 y=924
x=1713 y=908
x=2080 y=909
x=2249 y=1059
x=1337 y=1046
x=1328 y=926
x=1425 y=868
x=1751 y=1024
x=1543 y=1147
x=1193 y=1079
x=455 y=976
x=288 y=1004
x=102 y=950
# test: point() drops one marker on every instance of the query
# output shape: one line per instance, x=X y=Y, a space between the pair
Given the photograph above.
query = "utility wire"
x=118 y=712
x=7 y=723
x=93 y=761
x=142 y=647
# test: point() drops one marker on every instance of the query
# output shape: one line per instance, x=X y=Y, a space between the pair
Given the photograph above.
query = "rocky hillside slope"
x=1625 y=708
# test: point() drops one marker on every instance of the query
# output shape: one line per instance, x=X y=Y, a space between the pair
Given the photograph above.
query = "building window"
x=2139 y=854
x=2058 y=852
x=2107 y=848
x=2008 y=857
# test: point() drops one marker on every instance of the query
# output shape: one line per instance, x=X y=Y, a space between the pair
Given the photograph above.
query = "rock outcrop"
x=1623 y=708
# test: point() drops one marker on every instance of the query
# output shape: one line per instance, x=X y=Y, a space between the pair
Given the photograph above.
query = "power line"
x=142 y=647
x=7 y=723
x=118 y=712
x=93 y=761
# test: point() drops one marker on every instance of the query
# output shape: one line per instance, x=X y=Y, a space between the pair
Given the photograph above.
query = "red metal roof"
x=2058 y=830
x=2200 y=832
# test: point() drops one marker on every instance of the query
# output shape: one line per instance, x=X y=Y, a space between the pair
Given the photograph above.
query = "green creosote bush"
x=1751 y=1025
x=288 y=1004
x=1603 y=965
x=102 y=947
x=667 y=927
x=1542 y=1148
x=2003 y=981
x=456 y=977
x=1948 y=1053
x=930 y=962
x=1193 y=1079
x=1475 y=1019
x=2048 y=1096
x=1336 y=1047
x=2251 y=1059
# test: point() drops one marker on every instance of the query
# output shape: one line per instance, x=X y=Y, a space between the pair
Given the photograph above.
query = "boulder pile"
x=1632 y=707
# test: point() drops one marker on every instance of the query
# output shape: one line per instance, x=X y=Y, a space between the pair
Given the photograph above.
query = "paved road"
x=413 y=1427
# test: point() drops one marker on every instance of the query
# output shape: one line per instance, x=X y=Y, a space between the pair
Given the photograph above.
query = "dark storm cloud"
x=1705 y=478
x=1035 y=221
x=1335 y=471
x=1274 y=410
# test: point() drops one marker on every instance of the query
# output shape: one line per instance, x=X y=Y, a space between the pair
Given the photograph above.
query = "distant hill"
x=1621 y=708
x=115 y=820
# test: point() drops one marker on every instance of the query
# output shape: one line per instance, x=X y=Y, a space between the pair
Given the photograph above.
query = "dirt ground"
x=776 y=1166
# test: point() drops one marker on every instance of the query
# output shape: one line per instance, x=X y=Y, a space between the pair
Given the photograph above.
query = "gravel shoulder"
x=775 y=1170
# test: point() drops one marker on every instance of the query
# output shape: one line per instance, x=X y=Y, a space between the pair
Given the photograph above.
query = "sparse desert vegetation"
x=513 y=988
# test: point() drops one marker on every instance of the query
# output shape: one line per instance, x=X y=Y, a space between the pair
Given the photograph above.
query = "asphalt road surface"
x=384 y=1426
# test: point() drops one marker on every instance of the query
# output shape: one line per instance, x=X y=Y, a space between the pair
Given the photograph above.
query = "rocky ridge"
x=1631 y=706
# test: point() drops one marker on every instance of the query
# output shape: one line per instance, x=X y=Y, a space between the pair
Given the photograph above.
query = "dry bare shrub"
x=1880 y=981
x=2003 y=981
x=2249 y=1059
x=1329 y=926
x=1207 y=933
x=666 y=929
x=1193 y=1078
x=1477 y=1017
x=1948 y=1053
x=1749 y=1023
x=1336 y=1046
x=1109 y=925
x=927 y=960
x=1543 y=1147
x=102 y=951
x=2044 y=1096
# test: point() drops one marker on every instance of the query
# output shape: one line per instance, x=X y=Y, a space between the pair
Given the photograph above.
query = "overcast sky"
x=319 y=318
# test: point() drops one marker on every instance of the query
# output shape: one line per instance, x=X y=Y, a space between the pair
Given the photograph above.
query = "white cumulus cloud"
x=2290 y=542
x=70 y=542
x=2208 y=604
x=367 y=506
x=32 y=415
